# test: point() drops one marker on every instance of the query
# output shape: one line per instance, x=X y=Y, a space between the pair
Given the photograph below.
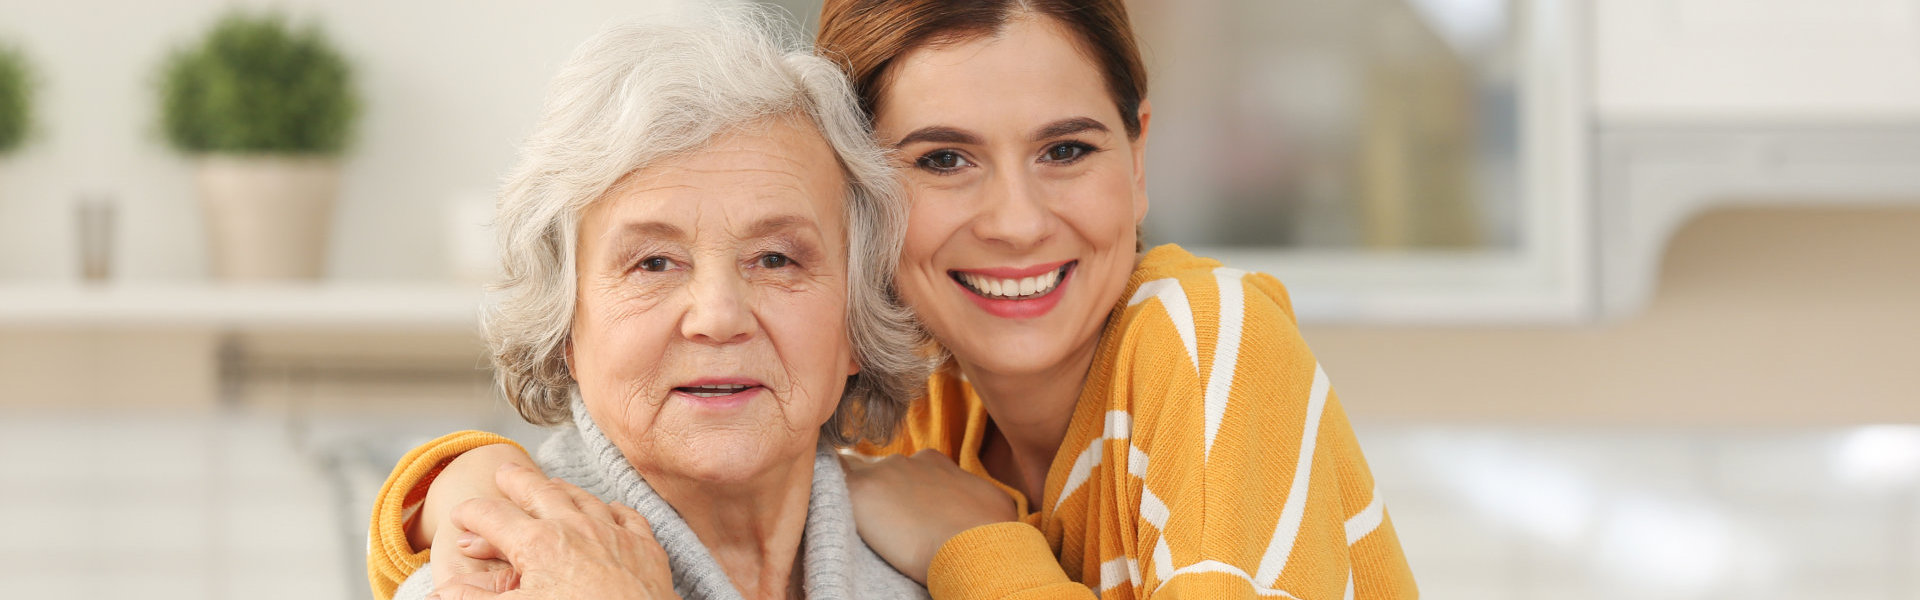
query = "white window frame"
x=1547 y=279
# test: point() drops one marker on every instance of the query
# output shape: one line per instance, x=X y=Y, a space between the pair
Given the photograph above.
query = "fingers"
x=497 y=580
x=475 y=547
x=584 y=501
x=533 y=492
x=631 y=520
x=500 y=522
x=464 y=592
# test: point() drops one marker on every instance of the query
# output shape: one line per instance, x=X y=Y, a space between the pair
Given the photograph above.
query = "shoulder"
x=1202 y=304
x=875 y=578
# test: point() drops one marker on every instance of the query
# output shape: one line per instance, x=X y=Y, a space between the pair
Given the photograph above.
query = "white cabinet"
x=1708 y=103
x=1694 y=60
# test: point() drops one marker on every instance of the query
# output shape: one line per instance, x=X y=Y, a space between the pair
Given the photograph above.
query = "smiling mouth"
x=713 y=391
x=1026 y=288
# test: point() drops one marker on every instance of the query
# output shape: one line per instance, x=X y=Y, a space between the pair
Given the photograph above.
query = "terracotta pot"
x=268 y=216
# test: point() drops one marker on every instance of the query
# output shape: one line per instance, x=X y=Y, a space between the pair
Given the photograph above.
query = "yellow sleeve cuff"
x=390 y=557
x=1002 y=561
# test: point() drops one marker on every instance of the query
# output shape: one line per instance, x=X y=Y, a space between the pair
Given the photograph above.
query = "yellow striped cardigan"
x=1207 y=457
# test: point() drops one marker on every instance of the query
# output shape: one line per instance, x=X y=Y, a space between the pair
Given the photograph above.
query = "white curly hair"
x=638 y=94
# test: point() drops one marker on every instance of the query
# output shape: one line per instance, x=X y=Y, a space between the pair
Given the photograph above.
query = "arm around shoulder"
x=1002 y=561
x=401 y=520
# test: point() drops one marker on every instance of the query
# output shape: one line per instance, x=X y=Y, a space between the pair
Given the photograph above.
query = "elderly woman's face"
x=709 y=336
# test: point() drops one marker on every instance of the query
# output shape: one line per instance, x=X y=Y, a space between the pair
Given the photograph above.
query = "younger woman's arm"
x=410 y=514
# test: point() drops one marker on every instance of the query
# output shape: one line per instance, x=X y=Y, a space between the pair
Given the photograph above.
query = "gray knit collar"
x=827 y=546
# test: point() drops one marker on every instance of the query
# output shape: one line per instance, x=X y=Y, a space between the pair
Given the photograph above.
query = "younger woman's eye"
x=655 y=264
x=943 y=161
x=774 y=261
x=1068 y=152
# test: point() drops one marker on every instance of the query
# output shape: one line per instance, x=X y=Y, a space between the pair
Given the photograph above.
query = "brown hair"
x=865 y=36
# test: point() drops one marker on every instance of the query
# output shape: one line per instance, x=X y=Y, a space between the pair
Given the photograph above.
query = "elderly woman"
x=698 y=241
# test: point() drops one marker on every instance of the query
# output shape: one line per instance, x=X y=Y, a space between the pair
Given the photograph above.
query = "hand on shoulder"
x=906 y=507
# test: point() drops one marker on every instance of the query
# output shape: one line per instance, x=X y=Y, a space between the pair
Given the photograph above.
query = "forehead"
x=1032 y=67
x=777 y=164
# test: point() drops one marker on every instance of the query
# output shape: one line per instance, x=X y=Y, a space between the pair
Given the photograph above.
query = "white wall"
x=449 y=87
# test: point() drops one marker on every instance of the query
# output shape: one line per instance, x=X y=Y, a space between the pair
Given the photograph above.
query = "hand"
x=468 y=476
x=462 y=558
x=906 y=507
x=562 y=542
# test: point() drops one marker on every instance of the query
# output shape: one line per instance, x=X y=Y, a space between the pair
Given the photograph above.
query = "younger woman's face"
x=1026 y=192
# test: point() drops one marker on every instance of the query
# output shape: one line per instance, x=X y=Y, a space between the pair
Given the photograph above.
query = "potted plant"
x=265 y=109
x=16 y=99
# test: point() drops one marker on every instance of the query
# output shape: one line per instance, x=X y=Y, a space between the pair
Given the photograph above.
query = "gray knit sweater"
x=835 y=563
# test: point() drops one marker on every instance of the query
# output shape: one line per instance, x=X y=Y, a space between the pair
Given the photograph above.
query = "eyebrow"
x=652 y=229
x=778 y=224
x=1066 y=127
x=938 y=133
x=949 y=135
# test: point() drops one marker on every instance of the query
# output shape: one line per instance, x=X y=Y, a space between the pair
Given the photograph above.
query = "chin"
x=731 y=457
x=1020 y=352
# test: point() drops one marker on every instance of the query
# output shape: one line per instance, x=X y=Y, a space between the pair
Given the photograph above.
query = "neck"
x=1030 y=413
x=754 y=530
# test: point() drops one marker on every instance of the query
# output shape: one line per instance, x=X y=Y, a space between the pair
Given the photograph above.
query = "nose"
x=1014 y=213
x=721 y=312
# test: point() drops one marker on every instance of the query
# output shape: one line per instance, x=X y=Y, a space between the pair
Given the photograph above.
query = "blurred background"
x=1623 y=296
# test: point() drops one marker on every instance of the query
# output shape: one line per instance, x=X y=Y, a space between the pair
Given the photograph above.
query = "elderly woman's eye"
x=655 y=264
x=940 y=161
x=774 y=261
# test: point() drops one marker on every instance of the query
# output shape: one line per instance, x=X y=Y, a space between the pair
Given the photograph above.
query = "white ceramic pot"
x=268 y=216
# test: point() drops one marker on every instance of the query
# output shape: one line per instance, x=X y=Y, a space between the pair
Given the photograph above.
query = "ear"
x=853 y=365
x=566 y=356
x=1140 y=164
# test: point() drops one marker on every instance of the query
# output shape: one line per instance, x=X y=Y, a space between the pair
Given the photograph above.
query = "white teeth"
x=714 y=391
x=1001 y=289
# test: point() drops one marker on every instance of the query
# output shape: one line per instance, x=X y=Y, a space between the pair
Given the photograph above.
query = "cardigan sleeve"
x=391 y=559
x=1009 y=561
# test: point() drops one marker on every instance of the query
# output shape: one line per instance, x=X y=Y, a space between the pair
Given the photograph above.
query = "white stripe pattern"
x=1214 y=566
x=1118 y=571
x=1280 y=547
x=1119 y=427
x=1174 y=300
x=1155 y=512
x=1226 y=349
x=1162 y=559
x=1367 y=520
x=1082 y=470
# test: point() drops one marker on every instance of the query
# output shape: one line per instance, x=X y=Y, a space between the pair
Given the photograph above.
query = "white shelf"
x=351 y=305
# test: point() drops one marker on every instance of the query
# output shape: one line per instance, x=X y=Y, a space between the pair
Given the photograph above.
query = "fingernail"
x=465 y=539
